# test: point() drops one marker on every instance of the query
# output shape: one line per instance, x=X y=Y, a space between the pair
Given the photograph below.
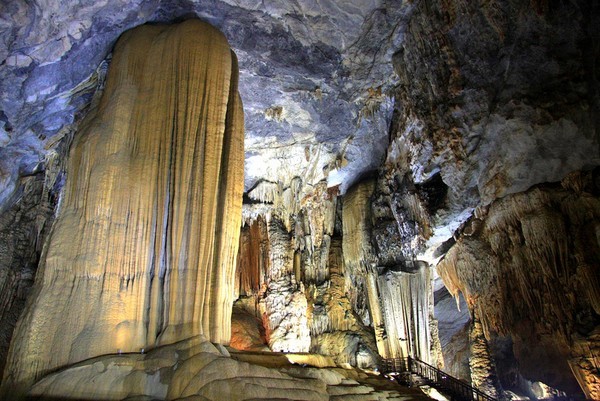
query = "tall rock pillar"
x=144 y=245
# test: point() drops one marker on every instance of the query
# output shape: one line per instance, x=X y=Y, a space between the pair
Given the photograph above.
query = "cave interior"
x=244 y=200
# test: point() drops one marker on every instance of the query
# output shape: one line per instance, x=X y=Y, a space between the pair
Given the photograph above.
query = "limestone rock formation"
x=336 y=329
x=494 y=97
x=144 y=245
x=285 y=303
x=292 y=276
x=247 y=330
x=359 y=260
x=298 y=295
x=482 y=366
x=453 y=325
x=196 y=369
x=406 y=302
x=375 y=129
x=390 y=289
x=23 y=229
x=528 y=266
x=313 y=61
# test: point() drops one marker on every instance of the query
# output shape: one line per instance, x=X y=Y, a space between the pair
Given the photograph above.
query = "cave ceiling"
x=315 y=79
x=492 y=104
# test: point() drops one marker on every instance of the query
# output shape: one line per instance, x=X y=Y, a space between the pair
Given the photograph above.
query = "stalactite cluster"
x=144 y=246
x=303 y=298
x=253 y=259
x=527 y=266
x=359 y=259
x=383 y=231
x=406 y=307
x=336 y=329
x=285 y=303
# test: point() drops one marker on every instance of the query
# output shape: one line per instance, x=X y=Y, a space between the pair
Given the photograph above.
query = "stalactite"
x=336 y=305
x=377 y=316
x=314 y=263
x=528 y=267
x=283 y=201
x=405 y=302
x=335 y=329
x=584 y=361
x=253 y=259
x=143 y=249
x=483 y=371
x=317 y=221
x=297 y=250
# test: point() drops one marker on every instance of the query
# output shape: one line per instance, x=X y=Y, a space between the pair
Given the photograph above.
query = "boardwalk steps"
x=415 y=372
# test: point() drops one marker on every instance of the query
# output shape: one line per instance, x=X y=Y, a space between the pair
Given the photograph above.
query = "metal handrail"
x=436 y=377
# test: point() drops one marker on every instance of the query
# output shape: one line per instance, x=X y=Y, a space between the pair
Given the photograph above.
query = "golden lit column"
x=144 y=245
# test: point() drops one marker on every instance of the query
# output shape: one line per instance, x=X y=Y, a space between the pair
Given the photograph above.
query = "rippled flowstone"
x=196 y=369
x=528 y=267
x=143 y=248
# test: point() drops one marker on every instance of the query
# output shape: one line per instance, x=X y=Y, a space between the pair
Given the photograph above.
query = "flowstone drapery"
x=144 y=246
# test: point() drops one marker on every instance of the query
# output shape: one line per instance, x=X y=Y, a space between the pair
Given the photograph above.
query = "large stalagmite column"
x=143 y=250
x=358 y=254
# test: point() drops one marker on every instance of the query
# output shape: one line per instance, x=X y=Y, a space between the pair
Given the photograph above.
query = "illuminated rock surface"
x=453 y=327
x=196 y=368
x=143 y=248
x=439 y=109
x=297 y=297
x=554 y=229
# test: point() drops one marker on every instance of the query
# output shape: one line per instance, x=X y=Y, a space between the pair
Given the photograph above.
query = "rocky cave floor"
x=196 y=369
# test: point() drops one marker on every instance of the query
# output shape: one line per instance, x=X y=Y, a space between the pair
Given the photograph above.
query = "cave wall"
x=528 y=267
x=490 y=93
x=301 y=292
x=488 y=99
x=143 y=249
x=493 y=97
x=321 y=271
x=23 y=230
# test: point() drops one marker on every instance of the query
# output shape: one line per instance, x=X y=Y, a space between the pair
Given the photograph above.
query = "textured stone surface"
x=495 y=96
x=336 y=329
x=395 y=300
x=23 y=229
x=298 y=296
x=195 y=368
x=247 y=331
x=528 y=267
x=488 y=98
x=405 y=301
x=285 y=303
x=453 y=324
x=136 y=256
x=482 y=366
x=314 y=62
x=359 y=259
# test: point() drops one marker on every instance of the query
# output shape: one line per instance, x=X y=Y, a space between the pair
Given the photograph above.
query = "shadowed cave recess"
x=244 y=200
